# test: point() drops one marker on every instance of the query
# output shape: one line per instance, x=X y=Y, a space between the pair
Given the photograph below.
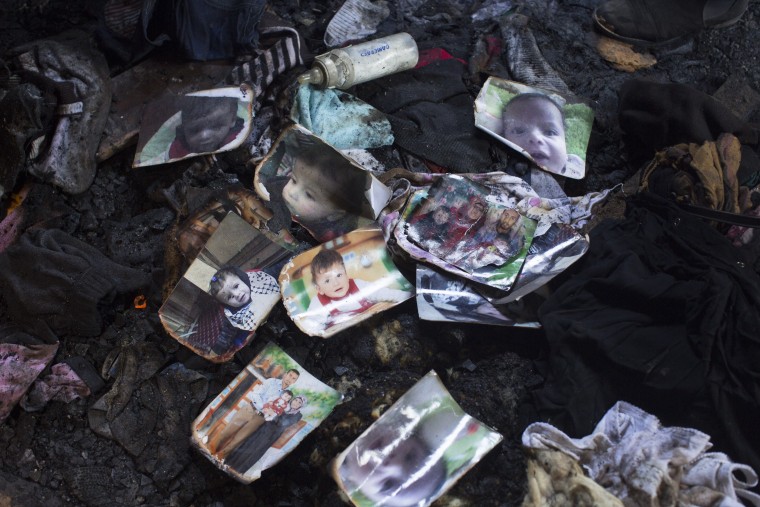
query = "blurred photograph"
x=446 y=298
x=415 y=451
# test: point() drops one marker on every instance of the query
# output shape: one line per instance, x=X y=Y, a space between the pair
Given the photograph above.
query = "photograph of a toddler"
x=277 y=406
x=313 y=184
x=549 y=129
x=244 y=294
x=415 y=451
x=344 y=282
x=227 y=291
x=199 y=123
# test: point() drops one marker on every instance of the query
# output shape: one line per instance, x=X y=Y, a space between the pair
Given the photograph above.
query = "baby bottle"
x=344 y=67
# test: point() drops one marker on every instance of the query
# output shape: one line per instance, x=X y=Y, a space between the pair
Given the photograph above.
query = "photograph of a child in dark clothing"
x=208 y=123
x=312 y=183
x=188 y=125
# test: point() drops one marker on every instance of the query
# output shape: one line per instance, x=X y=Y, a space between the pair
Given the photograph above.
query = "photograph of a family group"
x=415 y=451
x=174 y=127
x=458 y=226
x=227 y=291
x=265 y=412
x=341 y=283
x=551 y=130
x=308 y=181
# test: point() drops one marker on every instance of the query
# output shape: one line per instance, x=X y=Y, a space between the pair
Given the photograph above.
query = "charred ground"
x=52 y=457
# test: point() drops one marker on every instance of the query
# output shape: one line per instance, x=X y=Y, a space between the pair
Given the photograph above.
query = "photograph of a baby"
x=457 y=224
x=308 y=181
x=415 y=451
x=549 y=129
x=262 y=414
x=341 y=283
x=227 y=291
x=211 y=121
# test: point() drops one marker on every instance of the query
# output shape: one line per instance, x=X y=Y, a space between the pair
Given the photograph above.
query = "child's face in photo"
x=287 y=396
x=307 y=194
x=441 y=216
x=507 y=220
x=384 y=469
x=296 y=404
x=234 y=292
x=536 y=125
x=332 y=282
x=207 y=133
x=475 y=210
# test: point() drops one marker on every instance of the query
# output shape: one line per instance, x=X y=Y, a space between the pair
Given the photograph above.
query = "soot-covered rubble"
x=55 y=456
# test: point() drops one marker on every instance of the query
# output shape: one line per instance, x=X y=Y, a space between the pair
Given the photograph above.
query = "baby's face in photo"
x=383 y=469
x=536 y=125
x=286 y=396
x=308 y=196
x=234 y=292
x=207 y=133
x=333 y=281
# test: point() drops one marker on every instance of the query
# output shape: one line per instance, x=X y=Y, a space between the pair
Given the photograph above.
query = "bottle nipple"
x=314 y=76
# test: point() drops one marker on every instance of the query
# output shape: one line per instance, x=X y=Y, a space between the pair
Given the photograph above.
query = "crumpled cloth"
x=149 y=410
x=645 y=464
x=341 y=119
x=62 y=384
x=555 y=479
x=22 y=358
x=662 y=312
x=50 y=276
x=655 y=115
x=699 y=174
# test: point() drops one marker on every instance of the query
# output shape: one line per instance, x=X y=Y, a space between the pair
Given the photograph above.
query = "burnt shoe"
x=652 y=23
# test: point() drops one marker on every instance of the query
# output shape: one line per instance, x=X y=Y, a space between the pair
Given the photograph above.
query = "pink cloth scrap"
x=19 y=366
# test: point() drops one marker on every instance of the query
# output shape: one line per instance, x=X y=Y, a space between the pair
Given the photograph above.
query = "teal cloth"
x=342 y=120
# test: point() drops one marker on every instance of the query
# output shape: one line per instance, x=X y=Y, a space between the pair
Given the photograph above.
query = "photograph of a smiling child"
x=345 y=280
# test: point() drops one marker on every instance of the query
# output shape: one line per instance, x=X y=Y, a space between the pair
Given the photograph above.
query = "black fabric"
x=656 y=115
x=251 y=450
x=431 y=113
x=204 y=29
x=53 y=277
x=662 y=312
